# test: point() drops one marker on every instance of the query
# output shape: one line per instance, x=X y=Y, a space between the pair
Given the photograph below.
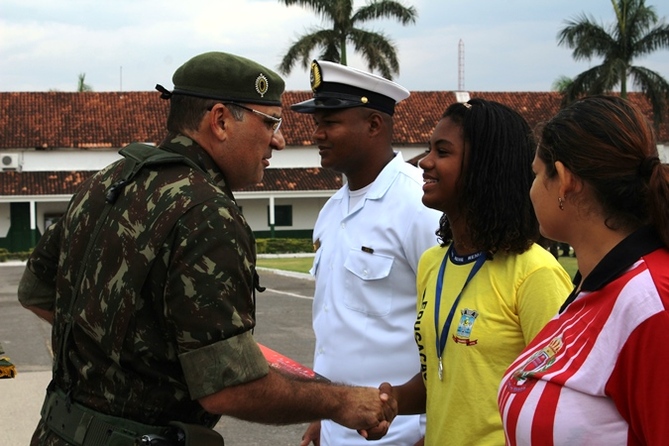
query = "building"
x=50 y=142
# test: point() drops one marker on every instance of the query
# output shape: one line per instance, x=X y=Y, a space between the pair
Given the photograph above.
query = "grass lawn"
x=296 y=264
x=569 y=264
x=303 y=264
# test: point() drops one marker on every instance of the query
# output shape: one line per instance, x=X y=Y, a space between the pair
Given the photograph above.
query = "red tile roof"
x=41 y=183
x=80 y=120
x=298 y=179
x=66 y=183
x=92 y=120
x=110 y=120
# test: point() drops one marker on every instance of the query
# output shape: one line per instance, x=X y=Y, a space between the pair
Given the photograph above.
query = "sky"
x=131 y=45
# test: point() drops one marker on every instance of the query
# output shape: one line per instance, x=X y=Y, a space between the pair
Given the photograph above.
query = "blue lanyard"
x=441 y=340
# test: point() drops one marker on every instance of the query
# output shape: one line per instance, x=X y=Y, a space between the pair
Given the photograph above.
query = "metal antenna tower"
x=461 y=65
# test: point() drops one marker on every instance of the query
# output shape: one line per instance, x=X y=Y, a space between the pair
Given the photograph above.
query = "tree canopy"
x=82 y=86
x=636 y=32
x=376 y=48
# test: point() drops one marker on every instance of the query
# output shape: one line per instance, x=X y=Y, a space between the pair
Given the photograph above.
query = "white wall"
x=48 y=208
x=663 y=151
x=65 y=160
x=305 y=208
x=91 y=160
x=5 y=219
x=305 y=211
x=305 y=214
x=295 y=157
x=305 y=157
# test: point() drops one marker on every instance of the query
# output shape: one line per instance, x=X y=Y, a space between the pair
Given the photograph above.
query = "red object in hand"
x=285 y=364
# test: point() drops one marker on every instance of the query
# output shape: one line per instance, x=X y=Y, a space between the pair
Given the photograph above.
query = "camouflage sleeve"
x=209 y=299
x=223 y=364
x=37 y=286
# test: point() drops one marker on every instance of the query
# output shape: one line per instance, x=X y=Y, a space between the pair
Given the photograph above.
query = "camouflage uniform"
x=165 y=308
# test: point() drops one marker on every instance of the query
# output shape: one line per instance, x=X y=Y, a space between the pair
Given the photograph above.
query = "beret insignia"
x=262 y=84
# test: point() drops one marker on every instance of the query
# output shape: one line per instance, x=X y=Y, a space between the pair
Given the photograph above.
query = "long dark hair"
x=609 y=144
x=496 y=178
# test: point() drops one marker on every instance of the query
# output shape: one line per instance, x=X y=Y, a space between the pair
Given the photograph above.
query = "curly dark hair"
x=496 y=178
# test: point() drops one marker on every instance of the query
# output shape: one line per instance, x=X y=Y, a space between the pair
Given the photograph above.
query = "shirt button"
x=365 y=272
x=343 y=225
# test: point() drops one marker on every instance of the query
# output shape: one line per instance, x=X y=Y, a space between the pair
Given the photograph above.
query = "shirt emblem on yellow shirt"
x=464 y=331
x=540 y=361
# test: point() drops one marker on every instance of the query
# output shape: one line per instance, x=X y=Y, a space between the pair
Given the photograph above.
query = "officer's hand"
x=390 y=411
x=363 y=408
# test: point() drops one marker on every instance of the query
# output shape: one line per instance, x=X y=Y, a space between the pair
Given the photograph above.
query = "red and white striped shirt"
x=597 y=374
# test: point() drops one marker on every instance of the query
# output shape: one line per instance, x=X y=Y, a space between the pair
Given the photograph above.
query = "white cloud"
x=134 y=44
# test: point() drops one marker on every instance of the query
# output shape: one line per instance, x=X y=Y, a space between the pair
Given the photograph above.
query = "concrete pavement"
x=284 y=324
x=21 y=402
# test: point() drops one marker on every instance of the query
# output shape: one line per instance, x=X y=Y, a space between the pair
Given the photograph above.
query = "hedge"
x=264 y=246
x=284 y=245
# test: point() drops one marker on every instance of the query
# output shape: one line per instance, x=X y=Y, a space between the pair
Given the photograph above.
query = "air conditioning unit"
x=9 y=161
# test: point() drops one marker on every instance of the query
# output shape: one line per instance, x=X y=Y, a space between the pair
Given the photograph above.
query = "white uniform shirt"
x=365 y=297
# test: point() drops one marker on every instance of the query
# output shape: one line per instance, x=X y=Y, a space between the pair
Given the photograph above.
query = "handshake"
x=365 y=409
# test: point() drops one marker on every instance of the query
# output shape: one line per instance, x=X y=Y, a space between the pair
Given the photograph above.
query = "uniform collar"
x=385 y=178
x=639 y=243
x=189 y=148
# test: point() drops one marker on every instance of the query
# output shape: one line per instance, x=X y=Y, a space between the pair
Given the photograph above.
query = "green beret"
x=228 y=77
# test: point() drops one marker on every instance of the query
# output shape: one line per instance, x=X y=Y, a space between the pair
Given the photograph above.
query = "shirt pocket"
x=317 y=260
x=368 y=288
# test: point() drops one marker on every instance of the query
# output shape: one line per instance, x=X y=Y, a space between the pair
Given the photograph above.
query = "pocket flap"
x=368 y=266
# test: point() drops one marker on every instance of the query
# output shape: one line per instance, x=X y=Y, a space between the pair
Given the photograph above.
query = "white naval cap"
x=338 y=86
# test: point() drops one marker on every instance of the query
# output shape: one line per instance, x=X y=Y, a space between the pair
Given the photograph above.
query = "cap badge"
x=315 y=77
x=262 y=85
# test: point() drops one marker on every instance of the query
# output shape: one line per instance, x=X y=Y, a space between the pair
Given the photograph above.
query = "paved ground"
x=284 y=324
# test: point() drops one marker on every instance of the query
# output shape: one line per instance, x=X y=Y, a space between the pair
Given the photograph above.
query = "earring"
x=561 y=203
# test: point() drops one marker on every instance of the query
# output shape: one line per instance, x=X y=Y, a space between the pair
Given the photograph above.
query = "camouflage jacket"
x=165 y=309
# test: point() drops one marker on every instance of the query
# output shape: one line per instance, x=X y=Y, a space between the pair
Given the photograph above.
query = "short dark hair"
x=496 y=177
x=608 y=143
x=186 y=112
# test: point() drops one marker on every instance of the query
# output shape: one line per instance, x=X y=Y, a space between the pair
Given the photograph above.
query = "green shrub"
x=5 y=255
x=264 y=246
x=283 y=245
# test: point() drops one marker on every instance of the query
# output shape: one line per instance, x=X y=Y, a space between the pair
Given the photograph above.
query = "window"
x=283 y=215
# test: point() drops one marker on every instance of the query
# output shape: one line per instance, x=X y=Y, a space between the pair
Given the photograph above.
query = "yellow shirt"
x=502 y=308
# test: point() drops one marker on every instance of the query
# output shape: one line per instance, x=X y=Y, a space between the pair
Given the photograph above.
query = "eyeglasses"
x=272 y=121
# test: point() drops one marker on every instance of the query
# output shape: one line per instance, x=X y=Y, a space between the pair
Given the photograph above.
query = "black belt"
x=85 y=427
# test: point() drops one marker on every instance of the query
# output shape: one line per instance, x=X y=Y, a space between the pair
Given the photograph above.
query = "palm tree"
x=636 y=33
x=561 y=84
x=376 y=48
x=83 y=86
